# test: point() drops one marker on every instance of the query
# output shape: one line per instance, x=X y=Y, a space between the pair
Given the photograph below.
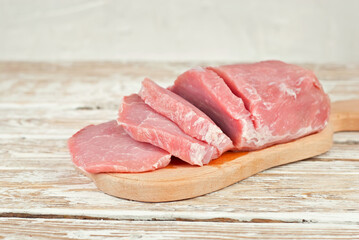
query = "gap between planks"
x=228 y=217
x=82 y=217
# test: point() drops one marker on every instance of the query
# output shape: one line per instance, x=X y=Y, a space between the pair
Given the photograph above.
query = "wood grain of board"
x=109 y=229
x=42 y=104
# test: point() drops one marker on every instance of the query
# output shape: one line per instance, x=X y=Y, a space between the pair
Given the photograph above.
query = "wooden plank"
x=105 y=93
x=316 y=191
x=37 y=228
x=32 y=70
x=38 y=84
x=346 y=137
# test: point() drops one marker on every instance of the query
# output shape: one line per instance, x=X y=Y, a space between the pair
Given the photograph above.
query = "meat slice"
x=207 y=91
x=285 y=101
x=108 y=148
x=189 y=118
x=146 y=125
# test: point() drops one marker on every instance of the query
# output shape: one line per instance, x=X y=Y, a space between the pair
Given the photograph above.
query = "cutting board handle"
x=345 y=115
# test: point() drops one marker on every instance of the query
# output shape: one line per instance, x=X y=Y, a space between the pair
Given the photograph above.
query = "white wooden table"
x=42 y=196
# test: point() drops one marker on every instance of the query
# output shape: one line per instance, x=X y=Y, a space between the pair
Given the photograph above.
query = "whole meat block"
x=207 y=91
x=144 y=124
x=258 y=105
x=108 y=148
x=189 y=118
x=285 y=101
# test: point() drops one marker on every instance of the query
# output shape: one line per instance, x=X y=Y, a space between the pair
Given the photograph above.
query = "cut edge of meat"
x=225 y=102
x=111 y=166
x=162 y=163
x=209 y=132
x=253 y=136
x=196 y=158
x=244 y=99
x=199 y=152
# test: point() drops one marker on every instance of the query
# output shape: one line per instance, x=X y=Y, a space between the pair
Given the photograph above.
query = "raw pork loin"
x=144 y=124
x=207 y=91
x=189 y=118
x=108 y=148
x=283 y=101
x=253 y=105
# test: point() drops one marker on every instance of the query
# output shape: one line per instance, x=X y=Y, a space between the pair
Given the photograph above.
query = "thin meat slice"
x=108 y=148
x=146 y=125
x=189 y=118
x=285 y=101
x=208 y=92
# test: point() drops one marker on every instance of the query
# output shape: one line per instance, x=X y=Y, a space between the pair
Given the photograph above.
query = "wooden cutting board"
x=180 y=180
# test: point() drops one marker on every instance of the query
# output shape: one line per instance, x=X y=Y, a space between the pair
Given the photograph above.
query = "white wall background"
x=319 y=31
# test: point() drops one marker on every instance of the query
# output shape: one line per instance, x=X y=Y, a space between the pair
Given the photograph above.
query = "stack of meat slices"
x=207 y=112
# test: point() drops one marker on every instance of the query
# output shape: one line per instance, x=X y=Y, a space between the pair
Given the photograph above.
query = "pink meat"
x=144 y=124
x=285 y=101
x=190 y=119
x=108 y=148
x=207 y=91
x=257 y=105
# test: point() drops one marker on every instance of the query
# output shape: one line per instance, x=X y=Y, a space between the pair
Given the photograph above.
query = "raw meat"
x=108 y=148
x=189 y=118
x=258 y=105
x=207 y=91
x=144 y=124
x=285 y=101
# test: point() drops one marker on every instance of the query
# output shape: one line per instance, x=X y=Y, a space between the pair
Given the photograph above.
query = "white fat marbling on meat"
x=268 y=105
x=287 y=90
x=255 y=97
x=189 y=116
x=160 y=163
x=300 y=80
x=200 y=120
x=197 y=153
x=272 y=83
x=264 y=135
